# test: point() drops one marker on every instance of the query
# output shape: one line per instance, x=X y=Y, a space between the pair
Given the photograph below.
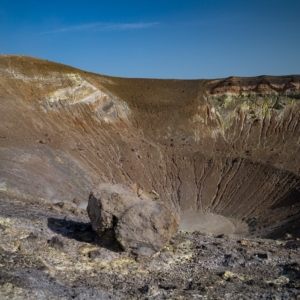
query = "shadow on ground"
x=83 y=232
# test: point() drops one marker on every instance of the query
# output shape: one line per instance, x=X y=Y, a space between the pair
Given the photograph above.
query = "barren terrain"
x=223 y=153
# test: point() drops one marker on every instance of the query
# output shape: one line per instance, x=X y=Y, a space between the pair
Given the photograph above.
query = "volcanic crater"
x=223 y=153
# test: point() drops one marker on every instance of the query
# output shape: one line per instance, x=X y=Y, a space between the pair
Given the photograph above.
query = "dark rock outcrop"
x=141 y=226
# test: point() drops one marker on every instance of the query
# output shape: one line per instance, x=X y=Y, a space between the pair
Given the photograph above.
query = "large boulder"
x=141 y=225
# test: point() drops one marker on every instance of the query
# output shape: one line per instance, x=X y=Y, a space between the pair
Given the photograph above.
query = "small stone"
x=222 y=236
x=245 y=243
x=2 y=227
x=227 y=275
x=55 y=208
x=56 y=243
x=102 y=255
x=134 y=187
x=76 y=201
x=62 y=206
x=262 y=255
x=288 y=236
x=76 y=211
x=292 y=244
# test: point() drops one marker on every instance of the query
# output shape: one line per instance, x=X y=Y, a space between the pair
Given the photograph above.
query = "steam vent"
x=222 y=153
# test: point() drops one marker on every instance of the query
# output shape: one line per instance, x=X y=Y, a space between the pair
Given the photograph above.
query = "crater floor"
x=214 y=224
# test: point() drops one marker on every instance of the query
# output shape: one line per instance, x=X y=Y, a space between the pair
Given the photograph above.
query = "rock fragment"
x=56 y=243
x=141 y=226
x=76 y=201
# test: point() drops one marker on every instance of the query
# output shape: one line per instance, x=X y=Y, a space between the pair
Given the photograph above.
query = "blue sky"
x=158 y=38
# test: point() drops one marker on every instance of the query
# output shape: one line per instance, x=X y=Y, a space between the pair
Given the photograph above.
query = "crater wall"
x=226 y=146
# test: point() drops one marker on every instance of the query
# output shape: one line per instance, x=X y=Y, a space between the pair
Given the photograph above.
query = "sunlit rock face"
x=228 y=147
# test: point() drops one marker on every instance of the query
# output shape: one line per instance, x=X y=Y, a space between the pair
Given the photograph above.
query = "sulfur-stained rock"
x=141 y=227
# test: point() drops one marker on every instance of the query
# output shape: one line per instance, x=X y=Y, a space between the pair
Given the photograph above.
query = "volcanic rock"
x=141 y=226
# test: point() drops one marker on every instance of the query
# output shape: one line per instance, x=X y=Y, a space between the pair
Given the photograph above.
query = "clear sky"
x=157 y=38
